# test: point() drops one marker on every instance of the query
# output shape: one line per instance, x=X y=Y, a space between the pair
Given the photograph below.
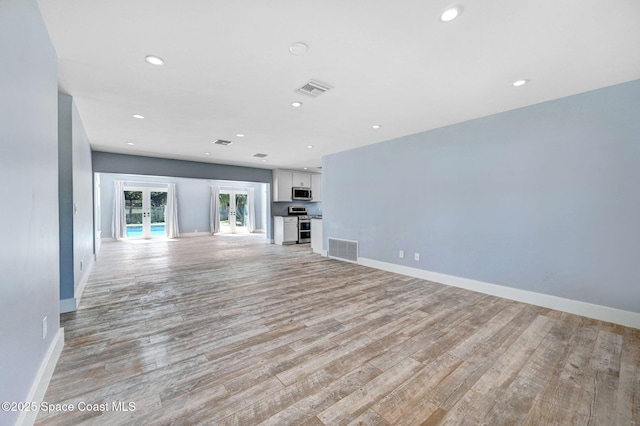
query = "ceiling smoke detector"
x=260 y=155
x=314 y=88
x=223 y=142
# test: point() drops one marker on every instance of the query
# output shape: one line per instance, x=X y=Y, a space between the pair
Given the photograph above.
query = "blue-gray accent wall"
x=543 y=198
x=29 y=282
x=75 y=199
x=133 y=164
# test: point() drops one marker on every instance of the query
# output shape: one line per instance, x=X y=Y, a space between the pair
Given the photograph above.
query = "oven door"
x=304 y=231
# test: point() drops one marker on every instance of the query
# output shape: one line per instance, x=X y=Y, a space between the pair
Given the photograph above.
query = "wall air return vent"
x=260 y=155
x=223 y=142
x=314 y=88
x=343 y=249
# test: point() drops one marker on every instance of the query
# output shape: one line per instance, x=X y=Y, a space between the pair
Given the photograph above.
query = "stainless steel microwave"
x=300 y=193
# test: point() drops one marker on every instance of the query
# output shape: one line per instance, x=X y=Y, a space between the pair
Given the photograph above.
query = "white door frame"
x=146 y=206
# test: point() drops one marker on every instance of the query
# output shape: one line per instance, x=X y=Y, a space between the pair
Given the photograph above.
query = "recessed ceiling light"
x=138 y=116
x=451 y=14
x=130 y=143
x=519 y=83
x=264 y=161
x=240 y=135
x=309 y=146
x=296 y=104
x=154 y=60
x=376 y=126
x=298 y=49
x=207 y=153
x=304 y=168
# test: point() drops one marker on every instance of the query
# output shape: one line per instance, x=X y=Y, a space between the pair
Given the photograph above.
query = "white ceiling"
x=228 y=69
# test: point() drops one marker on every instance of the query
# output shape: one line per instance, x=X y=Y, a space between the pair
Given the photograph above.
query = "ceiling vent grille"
x=314 y=88
x=260 y=155
x=223 y=142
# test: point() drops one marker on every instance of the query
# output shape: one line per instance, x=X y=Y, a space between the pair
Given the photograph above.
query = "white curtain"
x=251 y=207
x=171 y=212
x=119 y=224
x=214 y=213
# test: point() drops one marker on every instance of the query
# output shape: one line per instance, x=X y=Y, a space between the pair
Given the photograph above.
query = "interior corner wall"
x=29 y=172
x=65 y=196
x=543 y=198
x=75 y=186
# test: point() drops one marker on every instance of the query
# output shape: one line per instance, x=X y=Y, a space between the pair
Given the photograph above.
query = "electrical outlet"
x=44 y=327
x=401 y=254
x=416 y=256
x=196 y=230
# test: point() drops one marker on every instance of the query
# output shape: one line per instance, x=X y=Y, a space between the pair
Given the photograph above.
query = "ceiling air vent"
x=260 y=155
x=314 y=89
x=223 y=142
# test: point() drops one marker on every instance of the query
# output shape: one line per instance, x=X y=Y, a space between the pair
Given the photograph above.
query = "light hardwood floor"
x=230 y=330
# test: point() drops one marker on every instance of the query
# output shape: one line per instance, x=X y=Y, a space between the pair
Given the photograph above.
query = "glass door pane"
x=241 y=212
x=225 y=224
x=134 y=212
x=158 y=201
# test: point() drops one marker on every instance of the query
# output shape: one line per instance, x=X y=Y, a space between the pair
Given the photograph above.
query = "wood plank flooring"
x=233 y=331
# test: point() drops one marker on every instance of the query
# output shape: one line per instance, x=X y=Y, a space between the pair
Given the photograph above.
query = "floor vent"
x=343 y=250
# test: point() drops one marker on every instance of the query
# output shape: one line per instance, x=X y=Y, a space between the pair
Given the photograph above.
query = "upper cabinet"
x=284 y=180
x=301 y=179
x=282 y=184
x=316 y=186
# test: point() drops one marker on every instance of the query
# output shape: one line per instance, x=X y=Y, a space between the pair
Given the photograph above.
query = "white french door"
x=233 y=212
x=145 y=211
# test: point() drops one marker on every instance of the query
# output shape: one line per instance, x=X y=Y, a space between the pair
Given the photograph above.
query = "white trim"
x=195 y=234
x=71 y=304
x=41 y=382
x=68 y=305
x=599 y=312
x=83 y=282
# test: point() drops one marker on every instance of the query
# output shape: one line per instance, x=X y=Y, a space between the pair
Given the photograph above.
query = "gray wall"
x=544 y=198
x=29 y=171
x=133 y=164
x=75 y=198
x=193 y=195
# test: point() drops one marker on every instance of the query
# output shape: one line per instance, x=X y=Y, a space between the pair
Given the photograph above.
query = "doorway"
x=145 y=211
x=233 y=212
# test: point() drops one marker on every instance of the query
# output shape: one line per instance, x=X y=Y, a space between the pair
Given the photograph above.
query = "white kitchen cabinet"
x=316 y=187
x=301 y=179
x=316 y=235
x=285 y=230
x=284 y=180
x=282 y=184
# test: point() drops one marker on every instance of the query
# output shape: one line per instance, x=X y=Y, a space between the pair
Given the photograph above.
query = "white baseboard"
x=41 y=382
x=599 y=312
x=68 y=305
x=71 y=304
x=83 y=282
x=196 y=234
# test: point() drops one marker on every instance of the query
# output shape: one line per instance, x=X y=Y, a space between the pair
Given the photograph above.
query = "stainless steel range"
x=304 y=223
